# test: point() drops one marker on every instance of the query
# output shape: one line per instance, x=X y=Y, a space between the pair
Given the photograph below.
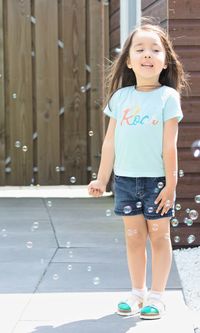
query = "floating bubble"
x=155 y=227
x=91 y=133
x=72 y=179
x=178 y=206
x=14 y=95
x=25 y=148
x=160 y=185
x=187 y=210
x=127 y=210
x=191 y=239
x=174 y=222
x=71 y=254
x=156 y=190
x=197 y=198
x=196 y=148
x=57 y=169
x=167 y=236
x=69 y=267
x=131 y=232
x=35 y=226
x=138 y=204
x=68 y=244
x=89 y=268
x=189 y=222
x=29 y=244
x=49 y=203
x=177 y=239
x=94 y=175
x=3 y=233
x=96 y=280
x=108 y=212
x=181 y=173
x=55 y=277
x=174 y=173
x=193 y=214
x=150 y=210
x=83 y=89
x=17 y=144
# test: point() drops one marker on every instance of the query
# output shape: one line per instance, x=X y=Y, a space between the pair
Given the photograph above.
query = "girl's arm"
x=170 y=135
x=98 y=186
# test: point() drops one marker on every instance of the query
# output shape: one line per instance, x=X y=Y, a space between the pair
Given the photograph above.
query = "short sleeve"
x=172 y=108
x=111 y=108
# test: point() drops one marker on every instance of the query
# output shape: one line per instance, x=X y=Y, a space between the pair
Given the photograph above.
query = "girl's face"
x=147 y=57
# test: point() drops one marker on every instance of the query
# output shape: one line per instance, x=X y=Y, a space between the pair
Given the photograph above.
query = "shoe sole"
x=127 y=313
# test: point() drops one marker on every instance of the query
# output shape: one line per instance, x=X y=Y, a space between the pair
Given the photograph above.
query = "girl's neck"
x=147 y=87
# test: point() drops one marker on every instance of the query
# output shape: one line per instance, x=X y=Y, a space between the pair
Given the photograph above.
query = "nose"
x=147 y=56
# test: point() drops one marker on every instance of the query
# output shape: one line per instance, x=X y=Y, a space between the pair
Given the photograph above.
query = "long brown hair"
x=119 y=75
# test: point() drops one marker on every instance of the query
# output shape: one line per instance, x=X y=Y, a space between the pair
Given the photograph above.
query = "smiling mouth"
x=147 y=65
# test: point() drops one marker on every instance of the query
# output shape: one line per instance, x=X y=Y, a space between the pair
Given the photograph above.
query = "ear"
x=128 y=63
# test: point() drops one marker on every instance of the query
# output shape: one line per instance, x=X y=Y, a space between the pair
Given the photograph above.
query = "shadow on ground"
x=111 y=323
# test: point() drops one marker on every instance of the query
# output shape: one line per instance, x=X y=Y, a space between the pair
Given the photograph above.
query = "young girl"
x=141 y=141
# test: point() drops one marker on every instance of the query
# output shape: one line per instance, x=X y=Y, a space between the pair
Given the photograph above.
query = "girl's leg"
x=159 y=234
x=136 y=236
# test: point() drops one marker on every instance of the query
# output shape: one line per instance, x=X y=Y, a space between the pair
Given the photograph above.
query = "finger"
x=158 y=199
x=160 y=207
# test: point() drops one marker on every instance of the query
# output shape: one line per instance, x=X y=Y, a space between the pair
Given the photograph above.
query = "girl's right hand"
x=96 y=188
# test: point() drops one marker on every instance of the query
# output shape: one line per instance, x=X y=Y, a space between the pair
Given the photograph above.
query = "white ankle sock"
x=139 y=292
x=158 y=295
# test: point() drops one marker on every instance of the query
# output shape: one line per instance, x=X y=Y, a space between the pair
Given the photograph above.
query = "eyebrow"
x=140 y=44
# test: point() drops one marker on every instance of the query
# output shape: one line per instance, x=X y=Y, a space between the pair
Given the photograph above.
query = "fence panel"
x=19 y=92
x=2 y=101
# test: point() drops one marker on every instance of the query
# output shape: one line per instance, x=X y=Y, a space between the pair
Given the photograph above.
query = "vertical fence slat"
x=2 y=101
x=47 y=90
x=19 y=91
x=74 y=71
x=95 y=61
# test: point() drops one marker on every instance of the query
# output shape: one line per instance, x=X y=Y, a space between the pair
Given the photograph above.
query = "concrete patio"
x=63 y=268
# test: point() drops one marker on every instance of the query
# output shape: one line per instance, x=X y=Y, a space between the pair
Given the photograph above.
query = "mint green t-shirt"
x=140 y=120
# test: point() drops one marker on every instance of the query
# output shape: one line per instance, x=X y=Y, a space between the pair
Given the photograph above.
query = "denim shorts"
x=135 y=196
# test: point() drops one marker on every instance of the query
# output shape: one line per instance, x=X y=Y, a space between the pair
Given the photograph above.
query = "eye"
x=139 y=50
x=156 y=50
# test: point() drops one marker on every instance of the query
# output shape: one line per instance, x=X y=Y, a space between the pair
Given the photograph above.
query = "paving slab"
x=95 y=312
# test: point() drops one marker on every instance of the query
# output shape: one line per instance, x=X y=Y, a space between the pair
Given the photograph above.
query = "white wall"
x=130 y=15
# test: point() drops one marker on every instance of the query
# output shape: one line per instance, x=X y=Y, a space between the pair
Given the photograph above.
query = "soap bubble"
x=69 y=267
x=189 y=222
x=174 y=222
x=94 y=175
x=49 y=203
x=178 y=206
x=25 y=148
x=138 y=204
x=177 y=239
x=68 y=244
x=108 y=212
x=57 y=169
x=155 y=227
x=55 y=277
x=187 y=210
x=17 y=144
x=91 y=133
x=127 y=210
x=197 y=198
x=160 y=185
x=193 y=214
x=29 y=245
x=196 y=148
x=191 y=239
x=3 y=233
x=181 y=173
x=35 y=226
x=89 y=268
x=73 y=180
x=150 y=209
x=96 y=280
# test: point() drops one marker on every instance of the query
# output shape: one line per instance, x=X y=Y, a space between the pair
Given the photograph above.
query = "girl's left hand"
x=165 y=199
